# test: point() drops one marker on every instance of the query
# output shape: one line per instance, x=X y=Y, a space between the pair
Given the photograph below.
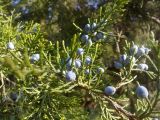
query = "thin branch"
x=122 y=110
x=156 y=20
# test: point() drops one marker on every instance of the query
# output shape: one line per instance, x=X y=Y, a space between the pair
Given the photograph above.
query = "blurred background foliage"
x=57 y=17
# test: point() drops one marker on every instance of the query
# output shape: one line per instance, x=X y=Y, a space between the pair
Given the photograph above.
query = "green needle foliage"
x=40 y=80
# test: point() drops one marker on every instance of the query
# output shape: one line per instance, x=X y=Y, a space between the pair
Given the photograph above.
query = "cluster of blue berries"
x=95 y=4
x=92 y=27
x=77 y=63
x=24 y=10
x=70 y=63
x=139 y=51
x=123 y=61
x=50 y=17
x=50 y=12
x=91 y=35
x=142 y=66
x=15 y=2
x=33 y=58
x=71 y=75
x=91 y=4
x=134 y=53
x=141 y=91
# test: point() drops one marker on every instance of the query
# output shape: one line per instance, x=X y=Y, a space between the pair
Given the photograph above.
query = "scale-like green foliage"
x=39 y=78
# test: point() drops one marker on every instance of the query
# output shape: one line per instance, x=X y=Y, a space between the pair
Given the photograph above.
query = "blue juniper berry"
x=100 y=35
x=77 y=63
x=93 y=4
x=123 y=58
x=15 y=2
x=35 y=57
x=94 y=25
x=13 y=96
x=70 y=76
x=87 y=28
x=142 y=66
x=88 y=60
x=10 y=46
x=142 y=51
x=84 y=38
x=142 y=92
x=80 y=51
x=134 y=50
x=25 y=10
x=110 y=90
x=118 y=65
